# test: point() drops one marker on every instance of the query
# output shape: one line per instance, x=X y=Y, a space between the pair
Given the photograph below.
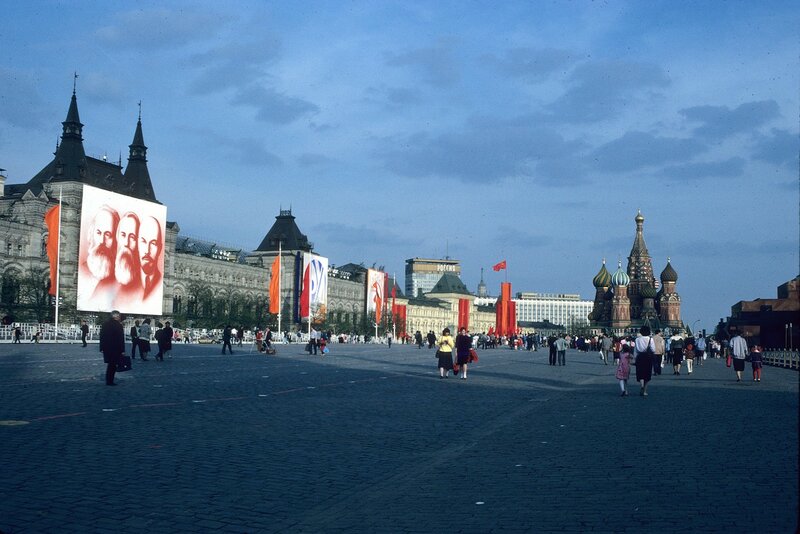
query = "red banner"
x=506 y=312
x=305 y=296
x=499 y=266
x=463 y=313
x=51 y=218
x=274 y=286
x=401 y=320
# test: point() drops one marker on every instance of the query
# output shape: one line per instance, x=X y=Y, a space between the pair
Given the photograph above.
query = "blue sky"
x=526 y=131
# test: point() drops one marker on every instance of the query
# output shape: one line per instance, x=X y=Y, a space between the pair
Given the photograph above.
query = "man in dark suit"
x=112 y=345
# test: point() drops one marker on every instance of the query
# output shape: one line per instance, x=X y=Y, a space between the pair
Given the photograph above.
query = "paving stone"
x=369 y=439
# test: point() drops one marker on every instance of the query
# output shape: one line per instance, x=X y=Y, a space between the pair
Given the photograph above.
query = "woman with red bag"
x=463 y=346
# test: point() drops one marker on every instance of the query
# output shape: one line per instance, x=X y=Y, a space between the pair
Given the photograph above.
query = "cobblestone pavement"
x=369 y=439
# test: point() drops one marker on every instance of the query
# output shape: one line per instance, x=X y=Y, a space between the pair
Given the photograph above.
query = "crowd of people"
x=648 y=353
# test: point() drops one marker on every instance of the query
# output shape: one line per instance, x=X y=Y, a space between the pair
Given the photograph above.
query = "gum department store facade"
x=204 y=284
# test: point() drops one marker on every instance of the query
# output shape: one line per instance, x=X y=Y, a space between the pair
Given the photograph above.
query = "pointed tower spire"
x=70 y=157
x=482 y=292
x=137 y=176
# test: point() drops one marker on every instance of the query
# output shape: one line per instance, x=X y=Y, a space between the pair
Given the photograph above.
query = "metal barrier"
x=789 y=359
x=47 y=333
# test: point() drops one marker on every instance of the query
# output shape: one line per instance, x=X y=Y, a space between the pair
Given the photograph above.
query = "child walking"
x=624 y=369
x=756 y=361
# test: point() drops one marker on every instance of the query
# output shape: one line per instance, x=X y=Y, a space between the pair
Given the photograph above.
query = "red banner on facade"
x=51 y=218
x=463 y=313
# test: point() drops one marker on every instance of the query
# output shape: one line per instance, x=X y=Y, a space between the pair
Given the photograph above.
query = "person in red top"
x=259 y=338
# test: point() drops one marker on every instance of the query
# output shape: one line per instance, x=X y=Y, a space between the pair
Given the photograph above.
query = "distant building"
x=422 y=274
x=564 y=310
x=628 y=299
x=771 y=323
x=557 y=308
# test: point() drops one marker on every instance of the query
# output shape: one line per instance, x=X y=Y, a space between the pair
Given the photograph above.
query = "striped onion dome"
x=603 y=278
x=620 y=277
x=669 y=274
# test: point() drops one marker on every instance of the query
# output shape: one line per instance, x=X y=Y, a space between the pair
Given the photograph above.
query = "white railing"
x=789 y=359
x=47 y=332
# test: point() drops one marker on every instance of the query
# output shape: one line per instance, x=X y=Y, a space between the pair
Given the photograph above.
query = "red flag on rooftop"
x=500 y=266
x=51 y=217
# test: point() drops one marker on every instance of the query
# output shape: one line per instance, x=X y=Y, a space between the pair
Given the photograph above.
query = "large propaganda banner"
x=314 y=295
x=121 y=254
x=375 y=293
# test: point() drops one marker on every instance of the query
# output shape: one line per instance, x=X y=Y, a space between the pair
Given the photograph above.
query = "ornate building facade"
x=205 y=284
x=628 y=299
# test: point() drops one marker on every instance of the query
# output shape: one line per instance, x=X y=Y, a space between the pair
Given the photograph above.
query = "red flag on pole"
x=274 y=286
x=499 y=266
x=51 y=217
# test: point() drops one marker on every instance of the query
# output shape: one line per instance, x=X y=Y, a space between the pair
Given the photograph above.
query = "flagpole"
x=280 y=272
x=58 y=258
x=394 y=308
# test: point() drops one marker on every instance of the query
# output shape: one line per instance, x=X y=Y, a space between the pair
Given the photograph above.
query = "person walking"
x=643 y=353
x=135 y=340
x=84 y=332
x=606 y=344
x=561 y=349
x=112 y=345
x=239 y=335
x=145 y=332
x=226 y=339
x=260 y=339
x=688 y=354
x=551 y=343
x=163 y=340
x=445 y=353
x=431 y=339
x=756 y=361
x=738 y=347
x=659 y=347
x=17 y=334
x=463 y=346
x=268 y=342
x=700 y=349
x=418 y=339
x=623 y=371
x=676 y=346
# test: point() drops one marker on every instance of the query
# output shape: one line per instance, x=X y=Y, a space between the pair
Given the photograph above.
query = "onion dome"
x=639 y=217
x=620 y=277
x=648 y=292
x=669 y=274
x=603 y=278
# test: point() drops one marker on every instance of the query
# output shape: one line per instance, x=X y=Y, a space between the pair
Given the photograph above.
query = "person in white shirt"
x=739 y=351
